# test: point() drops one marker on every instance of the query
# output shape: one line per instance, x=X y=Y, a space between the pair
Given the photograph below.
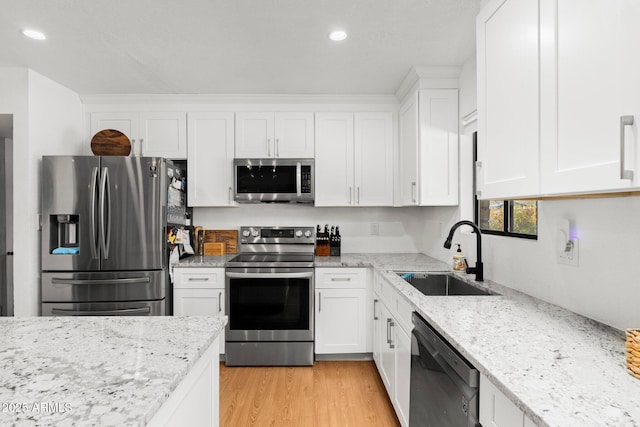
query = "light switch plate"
x=569 y=256
x=375 y=229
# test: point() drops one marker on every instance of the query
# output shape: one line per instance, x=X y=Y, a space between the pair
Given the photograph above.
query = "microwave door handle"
x=299 y=179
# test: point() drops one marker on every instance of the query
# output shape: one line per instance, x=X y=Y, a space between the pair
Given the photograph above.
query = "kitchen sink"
x=440 y=284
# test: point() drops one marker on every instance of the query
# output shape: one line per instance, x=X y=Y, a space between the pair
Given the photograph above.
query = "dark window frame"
x=507 y=207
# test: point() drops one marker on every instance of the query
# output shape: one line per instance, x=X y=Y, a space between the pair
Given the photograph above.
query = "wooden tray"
x=228 y=237
x=110 y=142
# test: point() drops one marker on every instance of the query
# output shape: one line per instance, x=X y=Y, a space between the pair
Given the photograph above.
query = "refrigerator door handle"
x=61 y=281
x=94 y=229
x=126 y=311
x=105 y=213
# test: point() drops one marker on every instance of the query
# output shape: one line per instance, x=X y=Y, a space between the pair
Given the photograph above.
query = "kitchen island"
x=107 y=371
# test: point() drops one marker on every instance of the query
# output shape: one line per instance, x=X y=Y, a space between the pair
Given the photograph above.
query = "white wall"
x=397 y=226
x=603 y=286
x=47 y=119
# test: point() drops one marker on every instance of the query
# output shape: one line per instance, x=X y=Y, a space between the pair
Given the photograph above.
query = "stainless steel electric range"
x=270 y=298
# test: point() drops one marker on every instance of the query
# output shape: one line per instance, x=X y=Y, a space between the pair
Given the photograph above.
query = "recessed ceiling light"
x=33 y=34
x=338 y=35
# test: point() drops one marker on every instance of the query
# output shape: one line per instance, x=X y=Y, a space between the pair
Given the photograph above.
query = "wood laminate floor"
x=341 y=394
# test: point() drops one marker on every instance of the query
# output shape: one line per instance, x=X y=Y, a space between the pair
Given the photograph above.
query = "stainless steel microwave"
x=274 y=180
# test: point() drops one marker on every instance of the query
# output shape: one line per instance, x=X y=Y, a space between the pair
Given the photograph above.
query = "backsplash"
x=396 y=226
x=603 y=286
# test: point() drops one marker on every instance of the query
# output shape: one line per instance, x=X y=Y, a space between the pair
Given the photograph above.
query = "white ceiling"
x=235 y=46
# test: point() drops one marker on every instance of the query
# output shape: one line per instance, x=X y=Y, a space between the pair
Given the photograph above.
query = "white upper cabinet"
x=558 y=97
x=373 y=159
x=294 y=135
x=408 y=120
x=277 y=135
x=210 y=160
x=508 y=90
x=593 y=85
x=163 y=134
x=429 y=148
x=354 y=159
x=334 y=159
x=157 y=134
x=438 y=148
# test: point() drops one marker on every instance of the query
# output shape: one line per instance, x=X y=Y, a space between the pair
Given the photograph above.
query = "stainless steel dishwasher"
x=444 y=385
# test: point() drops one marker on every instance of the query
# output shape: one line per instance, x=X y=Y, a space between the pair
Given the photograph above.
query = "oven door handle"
x=304 y=275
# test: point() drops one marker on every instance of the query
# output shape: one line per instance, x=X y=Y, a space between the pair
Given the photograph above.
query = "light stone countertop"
x=106 y=371
x=560 y=368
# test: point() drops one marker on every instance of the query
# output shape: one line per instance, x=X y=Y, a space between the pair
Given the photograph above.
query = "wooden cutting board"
x=228 y=237
x=110 y=142
x=215 y=249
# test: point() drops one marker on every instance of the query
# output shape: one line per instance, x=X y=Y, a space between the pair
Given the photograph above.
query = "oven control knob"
x=299 y=233
x=246 y=233
x=255 y=233
x=307 y=233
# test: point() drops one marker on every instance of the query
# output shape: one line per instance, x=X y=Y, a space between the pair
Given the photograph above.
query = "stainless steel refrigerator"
x=104 y=241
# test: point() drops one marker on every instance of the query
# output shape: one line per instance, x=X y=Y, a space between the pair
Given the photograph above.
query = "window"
x=517 y=218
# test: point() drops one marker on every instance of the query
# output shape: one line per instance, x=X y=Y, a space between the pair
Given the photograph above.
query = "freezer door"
x=69 y=213
x=103 y=286
x=132 y=213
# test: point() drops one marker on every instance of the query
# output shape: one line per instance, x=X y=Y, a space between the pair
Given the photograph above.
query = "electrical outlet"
x=375 y=229
x=569 y=256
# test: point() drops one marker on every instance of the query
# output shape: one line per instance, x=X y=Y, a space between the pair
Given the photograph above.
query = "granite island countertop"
x=560 y=368
x=107 y=371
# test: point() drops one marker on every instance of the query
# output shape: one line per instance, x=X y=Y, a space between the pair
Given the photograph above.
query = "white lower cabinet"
x=496 y=410
x=392 y=345
x=402 y=365
x=342 y=311
x=199 y=292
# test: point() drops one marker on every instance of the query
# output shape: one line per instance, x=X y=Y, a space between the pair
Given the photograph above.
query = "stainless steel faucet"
x=478 y=269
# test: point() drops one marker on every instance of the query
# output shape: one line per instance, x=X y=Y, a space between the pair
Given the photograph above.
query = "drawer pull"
x=341 y=279
x=198 y=279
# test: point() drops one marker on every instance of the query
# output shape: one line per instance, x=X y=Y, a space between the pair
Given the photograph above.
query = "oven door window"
x=266 y=179
x=269 y=304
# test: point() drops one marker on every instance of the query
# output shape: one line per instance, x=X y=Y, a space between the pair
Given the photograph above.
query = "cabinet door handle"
x=350 y=194
x=133 y=147
x=141 y=145
x=388 y=331
x=319 y=302
x=230 y=195
x=624 y=121
x=276 y=147
x=413 y=192
x=220 y=302
x=391 y=325
x=268 y=147
x=478 y=178
x=357 y=195
x=375 y=302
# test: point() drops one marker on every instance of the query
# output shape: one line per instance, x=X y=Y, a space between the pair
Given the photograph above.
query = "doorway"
x=6 y=214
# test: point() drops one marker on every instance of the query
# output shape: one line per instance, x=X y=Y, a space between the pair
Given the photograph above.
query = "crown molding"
x=235 y=99
x=428 y=77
